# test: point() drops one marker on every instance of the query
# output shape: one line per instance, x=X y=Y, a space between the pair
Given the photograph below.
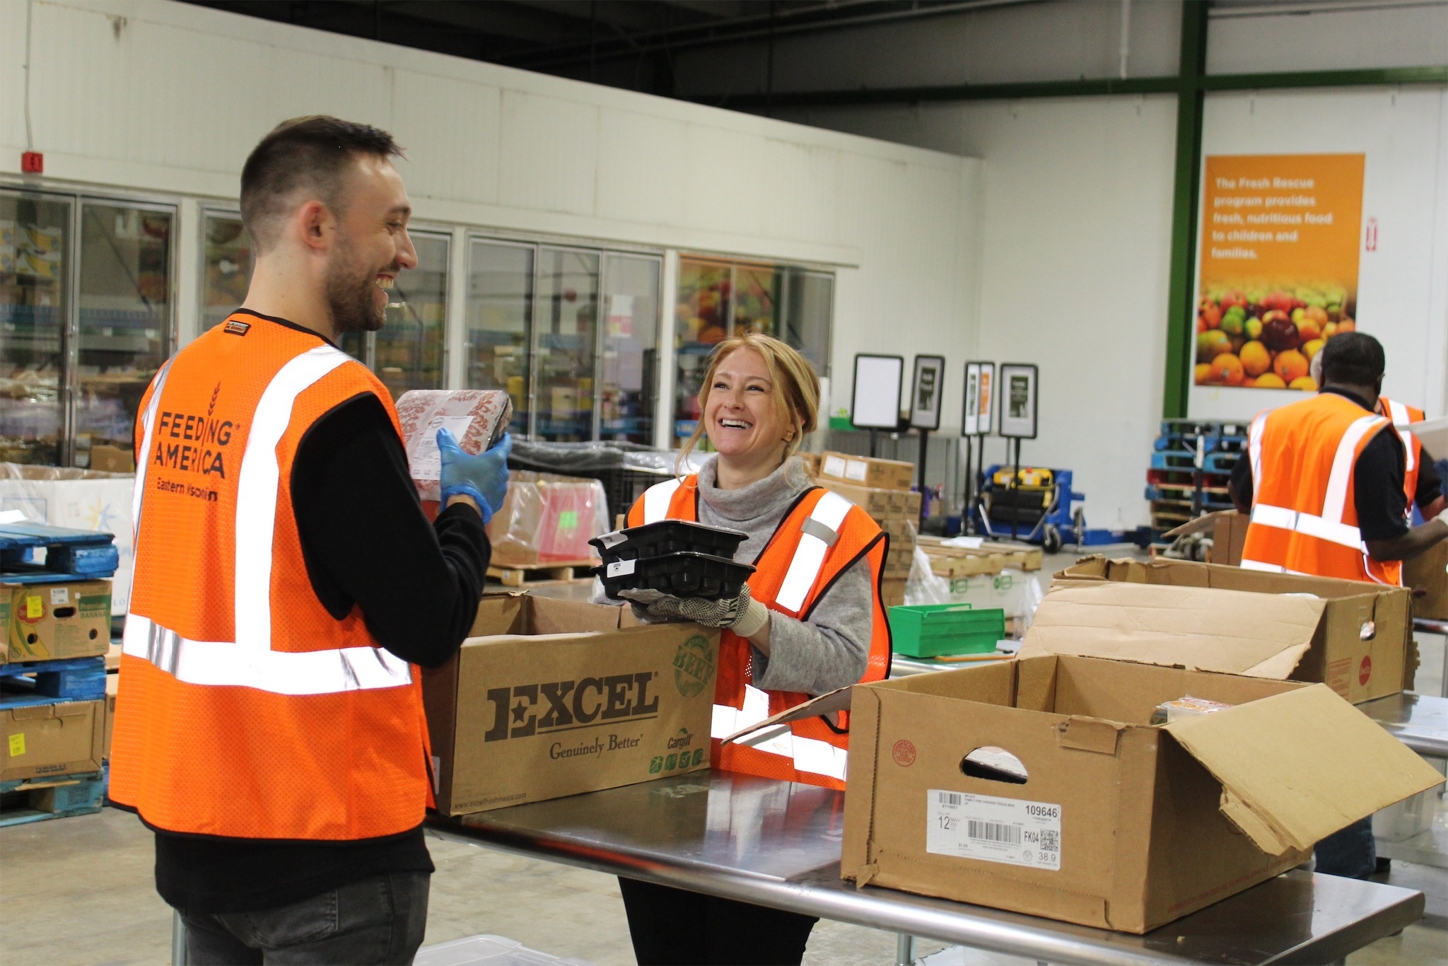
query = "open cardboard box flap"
x=828 y=703
x=1237 y=632
x=1287 y=785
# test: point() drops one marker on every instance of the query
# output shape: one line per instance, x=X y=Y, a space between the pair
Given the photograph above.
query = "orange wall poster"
x=1279 y=265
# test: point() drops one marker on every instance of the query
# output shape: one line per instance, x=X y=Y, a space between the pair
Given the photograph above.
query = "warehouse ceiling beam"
x=1088 y=87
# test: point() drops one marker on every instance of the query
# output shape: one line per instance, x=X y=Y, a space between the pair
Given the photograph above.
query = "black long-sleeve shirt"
x=367 y=543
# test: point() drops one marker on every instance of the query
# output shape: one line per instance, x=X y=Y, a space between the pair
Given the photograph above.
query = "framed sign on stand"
x=1020 y=390
x=875 y=394
x=926 y=390
x=975 y=425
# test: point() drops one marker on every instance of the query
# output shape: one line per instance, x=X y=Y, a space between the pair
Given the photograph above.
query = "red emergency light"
x=32 y=162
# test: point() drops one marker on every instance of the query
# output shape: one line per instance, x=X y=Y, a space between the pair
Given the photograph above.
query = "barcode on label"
x=951 y=798
x=994 y=832
x=1050 y=841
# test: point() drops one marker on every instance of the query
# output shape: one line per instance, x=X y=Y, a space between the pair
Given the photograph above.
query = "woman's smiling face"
x=740 y=415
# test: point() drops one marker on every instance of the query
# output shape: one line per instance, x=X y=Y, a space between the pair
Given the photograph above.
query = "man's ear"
x=315 y=224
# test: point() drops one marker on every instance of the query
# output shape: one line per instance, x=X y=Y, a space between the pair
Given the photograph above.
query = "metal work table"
x=1419 y=721
x=1430 y=626
x=777 y=844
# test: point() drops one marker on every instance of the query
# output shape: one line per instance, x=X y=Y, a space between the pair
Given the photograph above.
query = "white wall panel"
x=800 y=190
x=722 y=172
x=12 y=72
x=1415 y=36
x=550 y=153
x=641 y=167
x=454 y=130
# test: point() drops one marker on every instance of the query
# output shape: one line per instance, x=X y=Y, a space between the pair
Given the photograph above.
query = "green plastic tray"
x=933 y=630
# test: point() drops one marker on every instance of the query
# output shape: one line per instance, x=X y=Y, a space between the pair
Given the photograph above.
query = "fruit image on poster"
x=1279 y=266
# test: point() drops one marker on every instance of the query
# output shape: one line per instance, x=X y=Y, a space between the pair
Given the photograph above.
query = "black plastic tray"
x=665 y=537
x=680 y=574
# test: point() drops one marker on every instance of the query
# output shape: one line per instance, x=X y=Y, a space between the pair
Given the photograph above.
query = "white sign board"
x=875 y=401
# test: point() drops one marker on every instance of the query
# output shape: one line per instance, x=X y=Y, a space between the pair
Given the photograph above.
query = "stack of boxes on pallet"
x=1191 y=453
x=882 y=489
x=55 y=601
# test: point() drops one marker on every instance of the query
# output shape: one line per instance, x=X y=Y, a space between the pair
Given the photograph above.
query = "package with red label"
x=547 y=518
x=478 y=418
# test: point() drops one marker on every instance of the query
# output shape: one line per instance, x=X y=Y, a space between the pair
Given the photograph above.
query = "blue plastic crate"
x=40 y=553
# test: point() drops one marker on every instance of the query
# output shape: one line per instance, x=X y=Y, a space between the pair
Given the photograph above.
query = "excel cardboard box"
x=548 y=698
x=52 y=621
x=1427 y=576
x=867 y=471
x=1039 y=786
x=61 y=738
x=1361 y=647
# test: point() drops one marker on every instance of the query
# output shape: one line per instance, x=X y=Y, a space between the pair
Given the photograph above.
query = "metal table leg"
x=904 y=950
x=178 y=940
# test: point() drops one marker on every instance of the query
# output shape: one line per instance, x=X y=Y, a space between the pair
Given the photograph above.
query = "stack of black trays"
x=672 y=556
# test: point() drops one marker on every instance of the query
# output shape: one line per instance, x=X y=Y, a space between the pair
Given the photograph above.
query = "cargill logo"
x=693 y=665
x=681 y=740
x=532 y=709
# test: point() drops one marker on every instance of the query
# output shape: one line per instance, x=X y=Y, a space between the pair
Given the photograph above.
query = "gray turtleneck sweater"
x=830 y=649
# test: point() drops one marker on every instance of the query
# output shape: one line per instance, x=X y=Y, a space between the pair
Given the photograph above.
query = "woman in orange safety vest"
x=809 y=620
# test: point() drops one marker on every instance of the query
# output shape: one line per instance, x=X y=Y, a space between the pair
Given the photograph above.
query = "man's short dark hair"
x=308 y=154
x=1353 y=358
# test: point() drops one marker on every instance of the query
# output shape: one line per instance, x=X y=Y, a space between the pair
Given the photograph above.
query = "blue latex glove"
x=483 y=477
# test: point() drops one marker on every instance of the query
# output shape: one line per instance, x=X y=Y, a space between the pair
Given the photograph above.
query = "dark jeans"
x=671 y=927
x=379 y=919
x=1351 y=852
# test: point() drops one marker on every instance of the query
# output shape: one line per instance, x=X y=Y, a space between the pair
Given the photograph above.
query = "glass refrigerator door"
x=226 y=267
x=628 y=369
x=701 y=321
x=565 y=340
x=500 y=308
x=809 y=301
x=407 y=351
x=125 y=320
x=34 y=265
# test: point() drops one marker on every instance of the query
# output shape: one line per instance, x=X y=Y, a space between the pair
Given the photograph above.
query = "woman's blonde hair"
x=796 y=388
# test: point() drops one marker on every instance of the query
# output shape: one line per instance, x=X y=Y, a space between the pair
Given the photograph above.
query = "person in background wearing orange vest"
x=1325 y=486
x=810 y=620
x=269 y=726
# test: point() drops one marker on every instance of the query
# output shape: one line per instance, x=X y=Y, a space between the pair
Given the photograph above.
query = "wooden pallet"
x=54 y=796
x=516 y=575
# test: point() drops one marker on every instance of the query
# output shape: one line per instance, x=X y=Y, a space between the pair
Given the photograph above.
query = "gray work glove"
x=743 y=615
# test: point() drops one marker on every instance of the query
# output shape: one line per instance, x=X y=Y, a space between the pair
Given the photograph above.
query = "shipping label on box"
x=551 y=698
x=867 y=471
x=63 y=738
x=53 y=621
x=1360 y=644
x=1102 y=818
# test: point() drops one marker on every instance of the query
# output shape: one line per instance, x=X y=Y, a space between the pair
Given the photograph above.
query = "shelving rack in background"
x=1191 y=463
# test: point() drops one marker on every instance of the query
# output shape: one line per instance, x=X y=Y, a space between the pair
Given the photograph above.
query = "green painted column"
x=1181 y=297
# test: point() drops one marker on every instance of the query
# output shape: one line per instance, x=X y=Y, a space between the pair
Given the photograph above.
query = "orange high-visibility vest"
x=245 y=709
x=1304 y=520
x=1404 y=416
x=820 y=538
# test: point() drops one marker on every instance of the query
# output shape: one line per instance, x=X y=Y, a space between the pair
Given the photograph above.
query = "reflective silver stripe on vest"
x=657 y=499
x=249 y=661
x=1398 y=413
x=1335 y=502
x=1305 y=523
x=1270 y=568
x=805 y=754
x=226 y=664
x=143 y=458
x=809 y=557
x=256 y=490
x=1254 y=450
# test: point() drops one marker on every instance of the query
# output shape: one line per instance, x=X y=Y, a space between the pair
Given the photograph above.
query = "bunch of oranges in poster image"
x=1266 y=338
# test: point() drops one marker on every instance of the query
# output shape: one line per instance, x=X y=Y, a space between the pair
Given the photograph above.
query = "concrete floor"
x=78 y=892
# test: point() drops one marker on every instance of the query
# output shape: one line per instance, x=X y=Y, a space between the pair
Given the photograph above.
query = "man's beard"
x=351 y=296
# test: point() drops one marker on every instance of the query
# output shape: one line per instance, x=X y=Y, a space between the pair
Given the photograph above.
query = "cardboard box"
x=882 y=505
x=867 y=471
x=51 y=621
x=549 y=698
x=1229 y=533
x=113 y=682
x=112 y=459
x=1013 y=591
x=1114 y=823
x=892 y=591
x=1359 y=640
x=1428 y=572
x=64 y=738
x=5 y=595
